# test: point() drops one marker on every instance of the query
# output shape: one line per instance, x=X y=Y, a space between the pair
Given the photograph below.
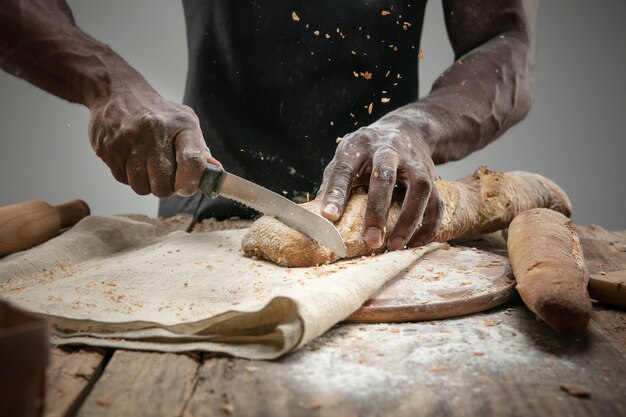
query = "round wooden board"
x=444 y=283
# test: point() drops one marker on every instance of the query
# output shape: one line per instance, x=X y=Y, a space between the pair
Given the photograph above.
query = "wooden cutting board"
x=445 y=283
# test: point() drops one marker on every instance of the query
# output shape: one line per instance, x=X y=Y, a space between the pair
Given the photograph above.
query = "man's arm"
x=488 y=89
x=150 y=143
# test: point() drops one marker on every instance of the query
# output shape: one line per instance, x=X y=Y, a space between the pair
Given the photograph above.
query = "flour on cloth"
x=112 y=282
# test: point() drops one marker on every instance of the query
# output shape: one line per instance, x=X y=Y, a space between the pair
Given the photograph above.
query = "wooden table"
x=501 y=362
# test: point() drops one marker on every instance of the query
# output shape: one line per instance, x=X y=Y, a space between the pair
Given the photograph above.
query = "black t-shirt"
x=276 y=82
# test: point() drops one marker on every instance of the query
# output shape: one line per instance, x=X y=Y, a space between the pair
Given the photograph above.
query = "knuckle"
x=161 y=188
x=336 y=194
x=343 y=168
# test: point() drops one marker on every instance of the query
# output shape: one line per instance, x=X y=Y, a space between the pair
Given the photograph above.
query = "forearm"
x=486 y=91
x=40 y=42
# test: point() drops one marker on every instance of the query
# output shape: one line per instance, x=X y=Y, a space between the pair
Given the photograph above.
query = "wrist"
x=109 y=75
x=411 y=127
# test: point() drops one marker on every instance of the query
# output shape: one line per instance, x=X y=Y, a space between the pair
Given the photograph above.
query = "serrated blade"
x=285 y=210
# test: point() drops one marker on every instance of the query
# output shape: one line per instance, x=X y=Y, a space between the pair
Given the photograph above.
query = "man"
x=276 y=84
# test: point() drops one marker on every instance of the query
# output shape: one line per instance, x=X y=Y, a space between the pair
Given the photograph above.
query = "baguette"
x=483 y=202
x=550 y=270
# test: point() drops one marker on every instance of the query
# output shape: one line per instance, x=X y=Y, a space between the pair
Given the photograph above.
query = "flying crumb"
x=295 y=17
x=370 y=108
x=316 y=33
x=385 y=100
x=385 y=13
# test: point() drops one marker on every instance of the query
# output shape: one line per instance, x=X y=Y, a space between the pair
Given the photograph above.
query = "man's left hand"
x=390 y=153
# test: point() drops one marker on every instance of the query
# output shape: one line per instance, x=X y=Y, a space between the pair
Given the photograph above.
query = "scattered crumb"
x=479 y=353
x=576 y=390
x=395 y=330
x=385 y=100
x=489 y=323
x=316 y=406
x=316 y=33
x=295 y=17
x=251 y=368
x=228 y=408
x=605 y=369
x=436 y=369
x=103 y=403
x=385 y=13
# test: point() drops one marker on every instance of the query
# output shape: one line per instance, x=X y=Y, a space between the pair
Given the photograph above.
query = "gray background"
x=574 y=133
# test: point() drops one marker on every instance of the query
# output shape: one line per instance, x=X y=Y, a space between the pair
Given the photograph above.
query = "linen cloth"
x=111 y=281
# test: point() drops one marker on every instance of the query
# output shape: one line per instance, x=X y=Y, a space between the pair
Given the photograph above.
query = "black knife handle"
x=211 y=181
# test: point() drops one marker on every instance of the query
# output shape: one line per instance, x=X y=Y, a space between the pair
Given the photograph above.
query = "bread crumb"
x=228 y=408
x=385 y=13
x=479 y=353
x=370 y=108
x=489 y=323
x=436 y=369
x=385 y=100
x=316 y=33
x=395 y=330
x=103 y=403
x=295 y=17
x=576 y=390
x=316 y=406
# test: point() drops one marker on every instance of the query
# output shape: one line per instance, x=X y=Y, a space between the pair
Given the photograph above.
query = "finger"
x=137 y=174
x=417 y=194
x=162 y=173
x=430 y=221
x=340 y=177
x=192 y=157
x=104 y=147
x=382 y=182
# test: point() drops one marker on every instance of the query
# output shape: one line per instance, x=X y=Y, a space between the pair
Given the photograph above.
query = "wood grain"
x=501 y=363
x=450 y=282
x=69 y=377
x=142 y=384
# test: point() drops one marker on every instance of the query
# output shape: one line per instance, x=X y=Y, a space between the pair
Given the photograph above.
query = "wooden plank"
x=604 y=252
x=500 y=363
x=142 y=384
x=69 y=377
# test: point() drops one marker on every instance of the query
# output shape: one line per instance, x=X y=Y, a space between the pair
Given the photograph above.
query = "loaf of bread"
x=550 y=270
x=480 y=203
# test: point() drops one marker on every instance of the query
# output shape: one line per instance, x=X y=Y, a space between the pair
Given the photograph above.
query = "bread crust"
x=483 y=202
x=548 y=264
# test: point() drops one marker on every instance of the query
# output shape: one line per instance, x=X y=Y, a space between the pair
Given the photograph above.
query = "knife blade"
x=215 y=181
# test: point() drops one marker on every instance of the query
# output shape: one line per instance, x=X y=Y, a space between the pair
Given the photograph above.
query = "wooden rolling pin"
x=25 y=225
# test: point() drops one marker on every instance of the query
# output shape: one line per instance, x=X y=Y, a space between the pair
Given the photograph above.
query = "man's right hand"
x=150 y=143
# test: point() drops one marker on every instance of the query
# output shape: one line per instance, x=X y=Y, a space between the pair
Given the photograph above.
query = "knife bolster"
x=211 y=181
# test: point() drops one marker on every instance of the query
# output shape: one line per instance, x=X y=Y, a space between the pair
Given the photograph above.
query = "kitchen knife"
x=215 y=181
